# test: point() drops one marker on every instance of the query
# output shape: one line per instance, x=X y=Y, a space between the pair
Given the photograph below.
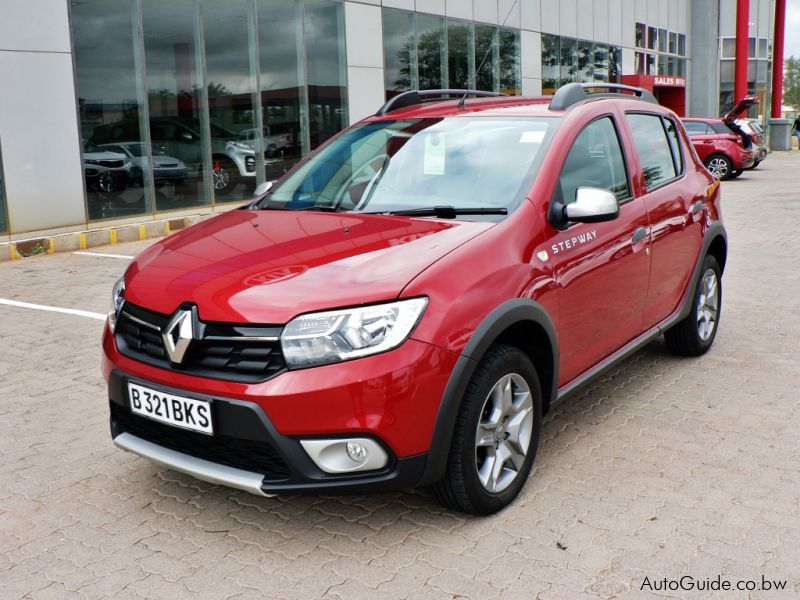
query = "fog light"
x=347 y=455
x=357 y=452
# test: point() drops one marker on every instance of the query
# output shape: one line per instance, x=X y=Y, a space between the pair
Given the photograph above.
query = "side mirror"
x=592 y=205
x=262 y=189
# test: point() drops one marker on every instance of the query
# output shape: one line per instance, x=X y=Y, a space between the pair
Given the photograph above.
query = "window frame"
x=625 y=164
x=661 y=119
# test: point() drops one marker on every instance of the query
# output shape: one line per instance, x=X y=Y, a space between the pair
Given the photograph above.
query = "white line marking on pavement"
x=66 y=311
x=125 y=256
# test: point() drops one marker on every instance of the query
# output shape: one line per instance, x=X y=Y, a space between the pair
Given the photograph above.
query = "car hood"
x=160 y=160
x=258 y=266
x=742 y=106
x=103 y=156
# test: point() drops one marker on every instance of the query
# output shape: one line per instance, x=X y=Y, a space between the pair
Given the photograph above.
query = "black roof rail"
x=572 y=93
x=414 y=97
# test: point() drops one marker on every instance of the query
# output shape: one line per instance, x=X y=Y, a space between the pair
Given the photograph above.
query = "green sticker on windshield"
x=433 y=161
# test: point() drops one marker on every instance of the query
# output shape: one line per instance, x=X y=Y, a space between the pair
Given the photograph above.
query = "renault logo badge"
x=178 y=334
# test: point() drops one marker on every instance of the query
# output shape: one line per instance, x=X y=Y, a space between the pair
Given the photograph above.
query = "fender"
x=507 y=314
x=714 y=231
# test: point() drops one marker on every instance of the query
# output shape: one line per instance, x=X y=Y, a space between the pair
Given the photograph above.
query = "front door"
x=601 y=269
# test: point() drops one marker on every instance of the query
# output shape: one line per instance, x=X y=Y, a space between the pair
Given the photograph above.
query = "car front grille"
x=111 y=164
x=249 y=455
x=242 y=353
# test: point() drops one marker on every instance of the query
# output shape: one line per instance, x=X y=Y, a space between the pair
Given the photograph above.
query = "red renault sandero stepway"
x=403 y=307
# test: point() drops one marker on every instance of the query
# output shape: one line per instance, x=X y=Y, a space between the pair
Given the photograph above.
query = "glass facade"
x=566 y=60
x=193 y=102
x=427 y=52
x=667 y=54
x=759 y=73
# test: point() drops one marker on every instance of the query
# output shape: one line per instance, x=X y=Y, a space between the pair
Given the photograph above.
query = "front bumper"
x=246 y=451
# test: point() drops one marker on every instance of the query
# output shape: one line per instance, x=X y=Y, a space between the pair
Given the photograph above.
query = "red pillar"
x=777 y=59
x=742 y=35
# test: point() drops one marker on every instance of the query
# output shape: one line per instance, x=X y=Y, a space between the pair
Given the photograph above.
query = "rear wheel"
x=496 y=434
x=719 y=166
x=735 y=174
x=695 y=334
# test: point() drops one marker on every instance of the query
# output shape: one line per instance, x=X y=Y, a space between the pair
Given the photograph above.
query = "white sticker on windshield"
x=433 y=161
x=531 y=137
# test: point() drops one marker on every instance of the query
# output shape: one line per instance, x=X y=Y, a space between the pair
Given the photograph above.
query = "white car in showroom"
x=166 y=169
x=104 y=170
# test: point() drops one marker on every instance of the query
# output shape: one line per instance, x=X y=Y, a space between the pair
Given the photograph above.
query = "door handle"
x=696 y=207
x=639 y=234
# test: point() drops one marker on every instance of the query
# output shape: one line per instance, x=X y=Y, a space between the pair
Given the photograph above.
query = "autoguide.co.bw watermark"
x=688 y=583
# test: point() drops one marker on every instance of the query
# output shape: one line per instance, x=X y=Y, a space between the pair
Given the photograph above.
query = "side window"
x=675 y=144
x=655 y=154
x=695 y=127
x=595 y=160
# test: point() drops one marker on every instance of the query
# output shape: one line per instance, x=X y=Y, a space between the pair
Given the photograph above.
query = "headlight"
x=333 y=336
x=117 y=300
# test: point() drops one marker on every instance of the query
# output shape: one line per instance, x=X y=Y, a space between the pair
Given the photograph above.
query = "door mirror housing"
x=592 y=205
x=262 y=189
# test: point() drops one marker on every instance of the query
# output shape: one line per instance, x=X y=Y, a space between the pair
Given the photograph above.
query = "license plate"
x=177 y=411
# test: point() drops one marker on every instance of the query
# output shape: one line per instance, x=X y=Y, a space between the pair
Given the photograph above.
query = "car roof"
x=702 y=119
x=510 y=106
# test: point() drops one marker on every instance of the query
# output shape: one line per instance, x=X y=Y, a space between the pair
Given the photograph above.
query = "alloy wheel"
x=718 y=167
x=106 y=182
x=707 y=305
x=503 y=435
x=222 y=178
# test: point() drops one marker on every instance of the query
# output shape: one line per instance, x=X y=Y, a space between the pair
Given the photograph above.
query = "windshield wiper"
x=443 y=212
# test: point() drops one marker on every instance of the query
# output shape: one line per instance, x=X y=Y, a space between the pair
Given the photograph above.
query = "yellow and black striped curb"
x=81 y=240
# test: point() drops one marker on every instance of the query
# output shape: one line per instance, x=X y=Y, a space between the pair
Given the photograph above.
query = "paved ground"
x=665 y=468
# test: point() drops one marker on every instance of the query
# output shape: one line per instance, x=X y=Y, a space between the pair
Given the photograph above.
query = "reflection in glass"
x=487 y=57
x=673 y=42
x=231 y=87
x=460 y=59
x=639 y=63
x=652 y=38
x=282 y=92
x=601 y=62
x=640 y=35
x=585 y=56
x=681 y=44
x=662 y=40
x=510 y=74
x=614 y=64
x=178 y=125
x=399 y=54
x=323 y=29
x=110 y=104
x=569 y=61
x=550 y=63
x=431 y=57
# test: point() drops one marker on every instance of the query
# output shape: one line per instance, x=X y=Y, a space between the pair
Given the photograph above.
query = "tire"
x=719 y=166
x=735 y=174
x=224 y=175
x=688 y=337
x=463 y=487
x=755 y=164
x=108 y=184
x=137 y=177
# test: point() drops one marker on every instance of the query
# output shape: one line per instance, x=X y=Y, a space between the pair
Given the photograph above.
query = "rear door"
x=601 y=269
x=674 y=212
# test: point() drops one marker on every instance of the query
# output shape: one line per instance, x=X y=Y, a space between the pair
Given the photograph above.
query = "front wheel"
x=496 y=434
x=224 y=175
x=695 y=334
x=719 y=166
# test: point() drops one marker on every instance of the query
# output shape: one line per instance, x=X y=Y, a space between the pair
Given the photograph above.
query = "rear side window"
x=696 y=127
x=595 y=160
x=655 y=152
x=675 y=144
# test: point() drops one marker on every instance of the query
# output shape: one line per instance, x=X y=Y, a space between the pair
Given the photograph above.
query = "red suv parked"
x=724 y=147
x=404 y=306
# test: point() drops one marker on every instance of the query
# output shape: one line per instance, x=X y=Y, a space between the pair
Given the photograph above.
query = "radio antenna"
x=488 y=52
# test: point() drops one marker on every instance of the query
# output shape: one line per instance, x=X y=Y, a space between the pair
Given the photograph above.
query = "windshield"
x=385 y=166
x=89 y=146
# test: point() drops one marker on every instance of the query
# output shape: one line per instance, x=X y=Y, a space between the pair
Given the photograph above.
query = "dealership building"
x=119 y=112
